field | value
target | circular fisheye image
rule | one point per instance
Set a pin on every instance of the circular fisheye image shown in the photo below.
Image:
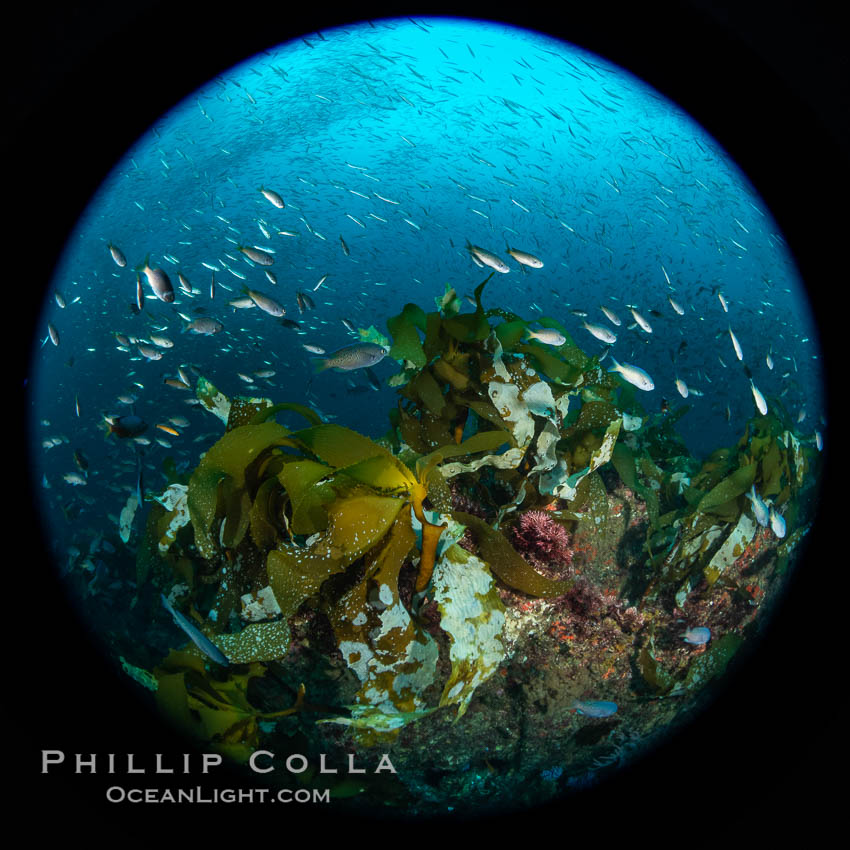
(425, 415)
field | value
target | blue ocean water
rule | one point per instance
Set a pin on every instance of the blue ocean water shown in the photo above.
(404, 140)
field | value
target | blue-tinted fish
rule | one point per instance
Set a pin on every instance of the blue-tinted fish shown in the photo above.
(120, 259)
(759, 507)
(594, 708)
(697, 636)
(198, 638)
(777, 522)
(548, 336)
(634, 375)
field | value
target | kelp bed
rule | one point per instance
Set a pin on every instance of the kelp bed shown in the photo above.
(525, 536)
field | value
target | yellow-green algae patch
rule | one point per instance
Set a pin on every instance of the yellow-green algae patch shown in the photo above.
(217, 484)
(355, 524)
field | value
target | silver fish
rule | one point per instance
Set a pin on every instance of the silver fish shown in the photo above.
(676, 306)
(611, 316)
(197, 637)
(760, 511)
(736, 345)
(602, 334)
(634, 375)
(149, 352)
(641, 321)
(158, 281)
(120, 259)
(485, 258)
(777, 523)
(357, 356)
(261, 258)
(273, 197)
(265, 303)
(524, 258)
(205, 326)
(761, 404)
(548, 336)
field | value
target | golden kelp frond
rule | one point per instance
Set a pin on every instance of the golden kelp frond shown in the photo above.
(299, 478)
(507, 564)
(383, 473)
(217, 484)
(728, 489)
(244, 411)
(307, 412)
(338, 446)
(484, 441)
(355, 524)
(216, 711)
(430, 538)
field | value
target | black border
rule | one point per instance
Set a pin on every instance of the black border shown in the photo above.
(769, 80)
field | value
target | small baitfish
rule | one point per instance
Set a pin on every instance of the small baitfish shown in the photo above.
(777, 523)
(736, 345)
(594, 707)
(697, 636)
(272, 197)
(548, 336)
(198, 638)
(758, 398)
(676, 306)
(759, 507)
(644, 325)
(358, 356)
(611, 316)
(117, 255)
(261, 258)
(634, 375)
(602, 334)
(524, 258)
(158, 281)
(483, 257)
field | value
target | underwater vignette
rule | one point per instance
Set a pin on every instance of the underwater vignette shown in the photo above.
(408, 512)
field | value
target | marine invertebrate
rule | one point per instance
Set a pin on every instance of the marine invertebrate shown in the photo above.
(537, 533)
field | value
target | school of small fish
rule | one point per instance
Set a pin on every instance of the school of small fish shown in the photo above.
(265, 272)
